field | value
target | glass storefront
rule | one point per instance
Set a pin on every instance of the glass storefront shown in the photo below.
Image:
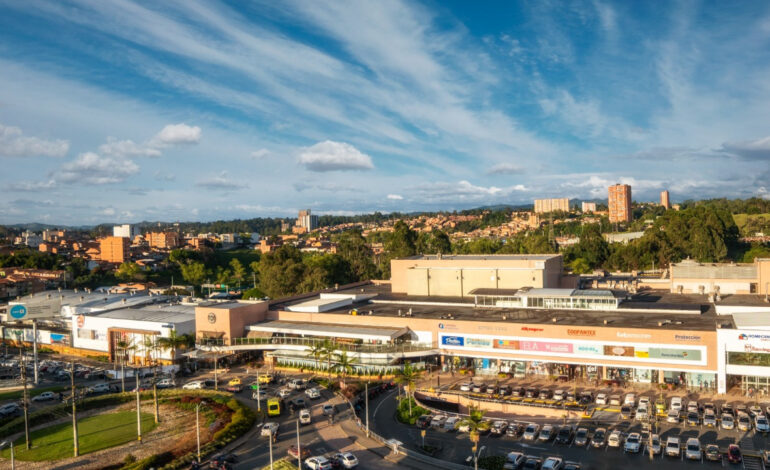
(752, 385)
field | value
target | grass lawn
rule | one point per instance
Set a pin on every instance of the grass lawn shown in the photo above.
(741, 220)
(94, 433)
(16, 394)
(282, 464)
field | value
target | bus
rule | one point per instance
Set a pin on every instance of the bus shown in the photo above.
(273, 407)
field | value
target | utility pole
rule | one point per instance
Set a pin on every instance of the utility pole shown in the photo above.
(366, 408)
(198, 429)
(216, 382)
(299, 448)
(259, 393)
(34, 347)
(270, 439)
(24, 400)
(74, 410)
(138, 411)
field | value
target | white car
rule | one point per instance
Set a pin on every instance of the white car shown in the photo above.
(513, 461)
(709, 419)
(347, 460)
(601, 399)
(633, 443)
(298, 384)
(466, 387)
(530, 432)
(546, 434)
(630, 399)
(761, 424)
(318, 463)
(463, 427)
(99, 388)
(553, 463)
(692, 405)
(284, 392)
(641, 413)
(269, 429)
(165, 383)
(313, 393)
(655, 446)
(615, 439)
(197, 385)
(451, 423)
(44, 396)
(692, 449)
(304, 416)
(675, 404)
(744, 422)
(728, 422)
(558, 395)
(672, 416)
(644, 401)
(672, 446)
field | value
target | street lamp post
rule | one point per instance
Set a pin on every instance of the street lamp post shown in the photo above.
(299, 448)
(270, 439)
(366, 408)
(25, 398)
(138, 410)
(198, 428)
(13, 457)
(75, 447)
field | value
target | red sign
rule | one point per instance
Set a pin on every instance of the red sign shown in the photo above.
(81, 321)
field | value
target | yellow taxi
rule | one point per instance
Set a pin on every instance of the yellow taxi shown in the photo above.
(265, 378)
(234, 381)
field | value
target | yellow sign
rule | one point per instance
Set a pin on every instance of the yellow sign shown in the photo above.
(422, 433)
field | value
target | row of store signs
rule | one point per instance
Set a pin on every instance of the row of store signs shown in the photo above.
(579, 349)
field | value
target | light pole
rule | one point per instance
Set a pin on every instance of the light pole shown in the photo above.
(138, 411)
(24, 401)
(299, 448)
(13, 458)
(366, 408)
(270, 438)
(259, 393)
(75, 448)
(198, 427)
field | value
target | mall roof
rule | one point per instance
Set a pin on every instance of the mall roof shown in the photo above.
(751, 320)
(483, 257)
(642, 314)
(162, 313)
(330, 329)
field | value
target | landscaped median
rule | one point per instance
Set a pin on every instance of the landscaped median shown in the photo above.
(517, 407)
(109, 421)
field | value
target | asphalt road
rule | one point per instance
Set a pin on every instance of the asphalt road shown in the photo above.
(456, 447)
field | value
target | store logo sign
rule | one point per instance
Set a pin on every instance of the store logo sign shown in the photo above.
(686, 338)
(743, 337)
(623, 334)
(580, 332)
(18, 311)
(453, 340)
(534, 330)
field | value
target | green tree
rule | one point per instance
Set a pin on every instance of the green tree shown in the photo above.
(439, 243)
(281, 272)
(317, 351)
(128, 271)
(253, 293)
(401, 243)
(172, 343)
(343, 365)
(475, 422)
(238, 271)
(194, 272)
(354, 249)
(580, 266)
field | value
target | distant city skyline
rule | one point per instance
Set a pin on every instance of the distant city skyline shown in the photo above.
(120, 112)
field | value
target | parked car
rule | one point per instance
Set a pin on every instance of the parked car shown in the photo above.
(581, 437)
(195, 385)
(728, 422)
(532, 462)
(544, 394)
(641, 413)
(451, 423)
(744, 422)
(346, 459)
(45, 396)
(546, 433)
(513, 461)
(564, 436)
(423, 422)
(672, 416)
(165, 383)
(553, 463)
(755, 410)
(675, 403)
(318, 463)
(438, 421)
(530, 392)
(633, 443)
(761, 423)
(600, 435)
(692, 449)
(654, 447)
(673, 447)
(660, 406)
(9, 410)
(626, 412)
(499, 427)
(466, 387)
(630, 399)
(304, 417)
(615, 439)
(313, 393)
(514, 430)
(734, 454)
(692, 406)
(570, 397)
(644, 401)
(601, 399)
(569, 465)
(693, 418)
(531, 432)
(477, 388)
(615, 400)
(328, 410)
(585, 398)
(491, 389)
(558, 395)
(709, 419)
(223, 460)
(518, 392)
(712, 453)
(727, 408)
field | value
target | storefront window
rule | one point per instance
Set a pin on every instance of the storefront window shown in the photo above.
(748, 359)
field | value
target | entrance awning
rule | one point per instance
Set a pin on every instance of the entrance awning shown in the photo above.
(331, 330)
(259, 334)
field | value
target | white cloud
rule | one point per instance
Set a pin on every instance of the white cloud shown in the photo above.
(92, 168)
(750, 150)
(505, 169)
(177, 134)
(332, 156)
(395, 197)
(127, 148)
(31, 185)
(465, 191)
(13, 143)
(220, 182)
(260, 154)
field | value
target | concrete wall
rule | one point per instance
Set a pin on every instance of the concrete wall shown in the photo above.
(231, 320)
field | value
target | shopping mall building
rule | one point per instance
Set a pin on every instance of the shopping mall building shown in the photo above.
(512, 314)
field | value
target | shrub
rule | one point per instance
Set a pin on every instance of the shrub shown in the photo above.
(402, 412)
(492, 462)
(129, 459)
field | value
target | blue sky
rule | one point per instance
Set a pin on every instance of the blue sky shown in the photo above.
(198, 110)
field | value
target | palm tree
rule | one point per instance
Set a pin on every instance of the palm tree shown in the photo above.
(172, 342)
(124, 346)
(328, 354)
(408, 376)
(316, 352)
(475, 422)
(344, 365)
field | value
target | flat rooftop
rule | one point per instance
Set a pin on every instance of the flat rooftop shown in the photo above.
(328, 329)
(162, 313)
(643, 315)
(483, 257)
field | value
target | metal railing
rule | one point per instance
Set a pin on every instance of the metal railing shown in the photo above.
(310, 342)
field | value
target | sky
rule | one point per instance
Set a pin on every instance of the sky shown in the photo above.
(119, 111)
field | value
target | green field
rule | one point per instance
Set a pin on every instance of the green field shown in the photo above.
(282, 464)
(94, 433)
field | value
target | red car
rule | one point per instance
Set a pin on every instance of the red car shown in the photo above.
(292, 451)
(734, 454)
